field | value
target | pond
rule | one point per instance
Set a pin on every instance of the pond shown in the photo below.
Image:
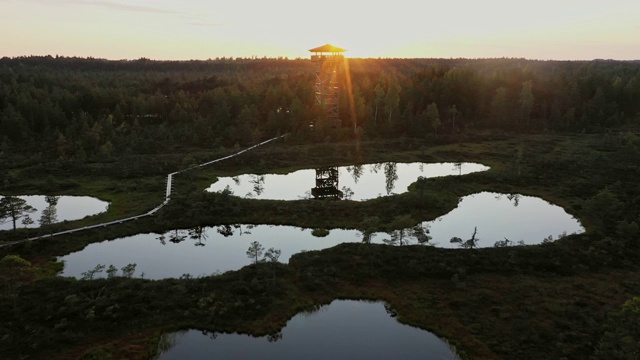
(345, 329)
(498, 216)
(209, 250)
(198, 251)
(362, 181)
(58, 209)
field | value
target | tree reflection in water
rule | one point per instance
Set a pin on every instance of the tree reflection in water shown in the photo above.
(355, 171)
(50, 214)
(258, 184)
(458, 166)
(390, 176)
(406, 232)
(199, 234)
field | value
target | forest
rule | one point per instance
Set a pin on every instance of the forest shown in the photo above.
(73, 110)
(567, 131)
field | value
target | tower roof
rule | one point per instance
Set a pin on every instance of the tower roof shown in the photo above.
(327, 48)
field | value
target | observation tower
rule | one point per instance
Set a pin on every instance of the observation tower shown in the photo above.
(328, 59)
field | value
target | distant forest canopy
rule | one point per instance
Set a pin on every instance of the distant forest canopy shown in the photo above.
(72, 109)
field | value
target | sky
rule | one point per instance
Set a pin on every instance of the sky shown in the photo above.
(203, 29)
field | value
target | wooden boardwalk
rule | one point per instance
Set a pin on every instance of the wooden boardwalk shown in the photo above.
(167, 198)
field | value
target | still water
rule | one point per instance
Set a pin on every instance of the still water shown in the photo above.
(65, 208)
(365, 181)
(198, 251)
(209, 250)
(344, 329)
(499, 216)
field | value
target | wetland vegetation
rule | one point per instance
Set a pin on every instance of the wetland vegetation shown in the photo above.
(113, 130)
(503, 220)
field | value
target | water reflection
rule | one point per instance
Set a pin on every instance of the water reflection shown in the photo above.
(489, 218)
(49, 214)
(390, 176)
(357, 182)
(327, 184)
(258, 184)
(53, 209)
(480, 220)
(198, 234)
(515, 198)
(470, 243)
(355, 171)
(345, 329)
(176, 252)
(406, 232)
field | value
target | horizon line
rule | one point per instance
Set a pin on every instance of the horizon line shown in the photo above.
(264, 57)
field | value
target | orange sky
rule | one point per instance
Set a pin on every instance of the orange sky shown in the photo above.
(201, 29)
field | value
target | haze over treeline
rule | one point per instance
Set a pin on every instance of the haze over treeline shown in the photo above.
(73, 110)
(195, 29)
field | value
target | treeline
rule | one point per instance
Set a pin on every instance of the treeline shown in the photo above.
(72, 110)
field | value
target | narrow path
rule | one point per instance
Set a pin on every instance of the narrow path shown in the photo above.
(167, 198)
